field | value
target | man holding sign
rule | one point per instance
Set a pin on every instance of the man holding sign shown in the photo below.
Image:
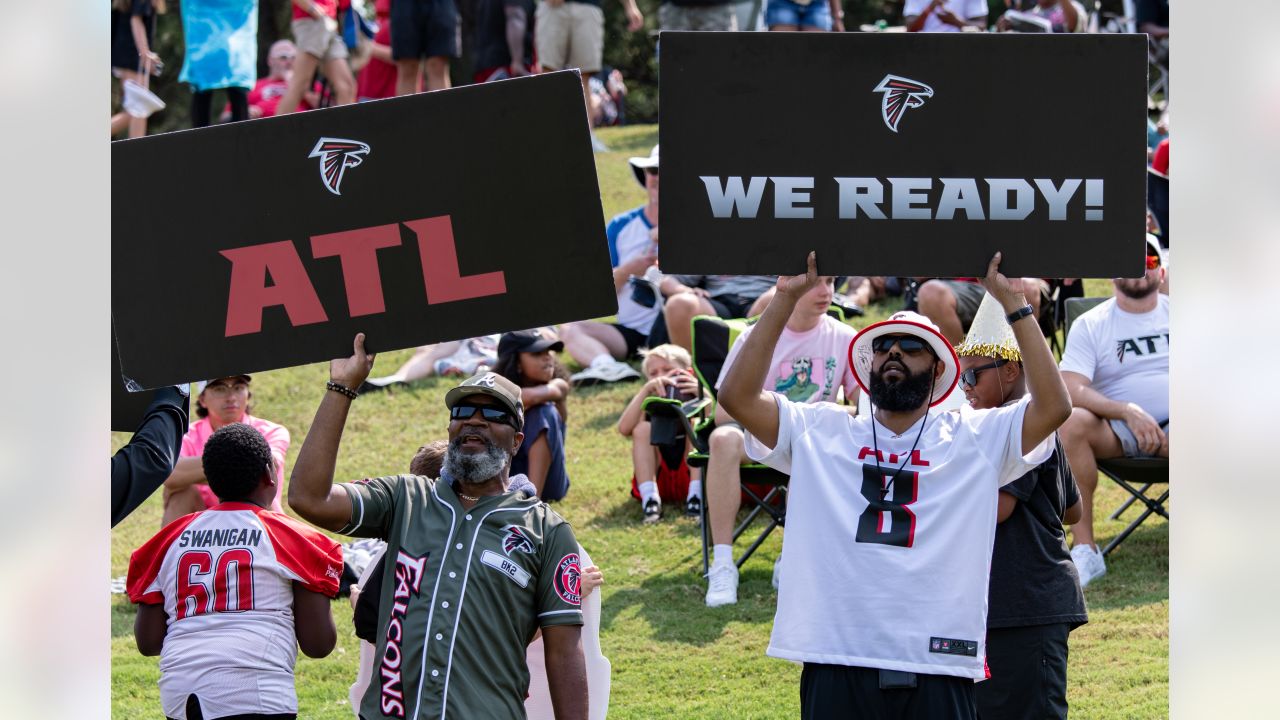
(884, 599)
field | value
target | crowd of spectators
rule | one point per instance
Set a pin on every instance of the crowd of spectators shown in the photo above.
(1114, 363)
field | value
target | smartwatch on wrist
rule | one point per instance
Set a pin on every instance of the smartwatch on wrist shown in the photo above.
(1016, 315)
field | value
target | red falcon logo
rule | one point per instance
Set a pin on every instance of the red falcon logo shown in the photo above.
(568, 580)
(515, 539)
(336, 155)
(899, 94)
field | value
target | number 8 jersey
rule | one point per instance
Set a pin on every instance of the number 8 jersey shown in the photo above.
(225, 577)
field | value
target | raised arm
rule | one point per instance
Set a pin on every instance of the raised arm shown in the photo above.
(566, 671)
(741, 391)
(1050, 404)
(311, 490)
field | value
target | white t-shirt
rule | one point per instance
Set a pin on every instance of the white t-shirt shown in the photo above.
(628, 236)
(225, 578)
(1124, 355)
(806, 367)
(963, 9)
(901, 585)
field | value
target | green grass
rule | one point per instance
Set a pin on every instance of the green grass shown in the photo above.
(672, 656)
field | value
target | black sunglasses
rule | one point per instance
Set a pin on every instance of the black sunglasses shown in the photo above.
(909, 344)
(490, 414)
(651, 170)
(969, 377)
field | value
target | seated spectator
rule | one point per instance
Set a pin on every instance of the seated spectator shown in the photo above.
(1063, 16)
(726, 296)
(502, 39)
(461, 358)
(227, 645)
(1116, 367)
(266, 93)
(809, 365)
(668, 370)
(221, 401)
(377, 78)
(602, 347)
(610, 98)
(951, 304)
(944, 15)
(528, 359)
(1035, 599)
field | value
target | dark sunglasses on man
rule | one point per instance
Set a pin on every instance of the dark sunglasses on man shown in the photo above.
(969, 377)
(489, 413)
(908, 344)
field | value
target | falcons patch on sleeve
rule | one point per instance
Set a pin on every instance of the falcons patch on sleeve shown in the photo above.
(900, 94)
(336, 155)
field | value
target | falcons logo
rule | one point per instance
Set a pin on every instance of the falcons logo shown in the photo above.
(515, 539)
(336, 155)
(1120, 346)
(900, 94)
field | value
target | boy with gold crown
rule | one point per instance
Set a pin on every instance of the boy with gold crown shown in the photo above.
(1035, 597)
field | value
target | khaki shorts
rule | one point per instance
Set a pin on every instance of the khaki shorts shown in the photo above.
(570, 35)
(312, 38)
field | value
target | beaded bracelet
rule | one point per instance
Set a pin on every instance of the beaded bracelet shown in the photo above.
(331, 385)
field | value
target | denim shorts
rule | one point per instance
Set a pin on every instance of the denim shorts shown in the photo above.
(786, 12)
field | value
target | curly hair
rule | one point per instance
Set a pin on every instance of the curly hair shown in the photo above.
(429, 460)
(235, 457)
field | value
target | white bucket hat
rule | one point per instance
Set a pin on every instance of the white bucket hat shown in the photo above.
(915, 325)
(640, 164)
(139, 101)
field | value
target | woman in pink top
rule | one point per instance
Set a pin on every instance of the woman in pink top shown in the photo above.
(221, 401)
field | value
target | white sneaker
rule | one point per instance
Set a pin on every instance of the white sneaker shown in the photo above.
(608, 372)
(1089, 563)
(777, 572)
(722, 585)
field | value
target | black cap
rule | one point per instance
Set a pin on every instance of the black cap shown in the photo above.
(531, 341)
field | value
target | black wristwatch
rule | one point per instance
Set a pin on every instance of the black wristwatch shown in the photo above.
(1016, 315)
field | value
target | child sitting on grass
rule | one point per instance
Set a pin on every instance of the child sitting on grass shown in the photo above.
(668, 372)
(528, 359)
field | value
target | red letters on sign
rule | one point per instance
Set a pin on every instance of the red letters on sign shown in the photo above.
(440, 265)
(357, 250)
(250, 294)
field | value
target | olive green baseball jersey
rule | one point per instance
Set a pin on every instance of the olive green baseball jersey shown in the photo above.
(464, 593)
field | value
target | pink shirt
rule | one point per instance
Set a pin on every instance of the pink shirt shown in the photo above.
(807, 367)
(277, 437)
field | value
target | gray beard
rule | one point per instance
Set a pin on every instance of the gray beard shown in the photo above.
(474, 469)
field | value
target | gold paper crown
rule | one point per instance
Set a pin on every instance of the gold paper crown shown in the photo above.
(990, 335)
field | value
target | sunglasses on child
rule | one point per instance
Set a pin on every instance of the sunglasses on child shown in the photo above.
(969, 377)
(908, 344)
(489, 413)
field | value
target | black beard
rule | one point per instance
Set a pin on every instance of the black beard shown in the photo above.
(474, 469)
(907, 394)
(1140, 292)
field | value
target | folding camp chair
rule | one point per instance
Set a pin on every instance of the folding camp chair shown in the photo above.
(1127, 472)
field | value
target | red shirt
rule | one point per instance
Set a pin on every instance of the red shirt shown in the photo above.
(378, 78)
(1160, 161)
(266, 95)
(328, 8)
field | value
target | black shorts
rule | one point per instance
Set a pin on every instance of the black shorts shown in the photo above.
(731, 306)
(194, 712)
(635, 340)
(842, 691)
(1028, 673)
(425, 28)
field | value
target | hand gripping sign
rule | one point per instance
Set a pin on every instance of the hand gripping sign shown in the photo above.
(415, 220)
(903, 154)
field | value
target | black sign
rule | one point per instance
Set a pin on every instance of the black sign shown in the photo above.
(903, 154)
(417, 219)
(128, 408)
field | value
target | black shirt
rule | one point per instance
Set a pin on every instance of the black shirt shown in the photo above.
(1033, 579)
(490, 38)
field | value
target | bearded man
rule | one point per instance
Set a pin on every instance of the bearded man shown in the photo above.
(478, 568)
(891, 516)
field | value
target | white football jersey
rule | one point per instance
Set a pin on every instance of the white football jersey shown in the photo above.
(225, 577)
(888, 572)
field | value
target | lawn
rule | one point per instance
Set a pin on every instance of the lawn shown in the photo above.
(672, 656)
